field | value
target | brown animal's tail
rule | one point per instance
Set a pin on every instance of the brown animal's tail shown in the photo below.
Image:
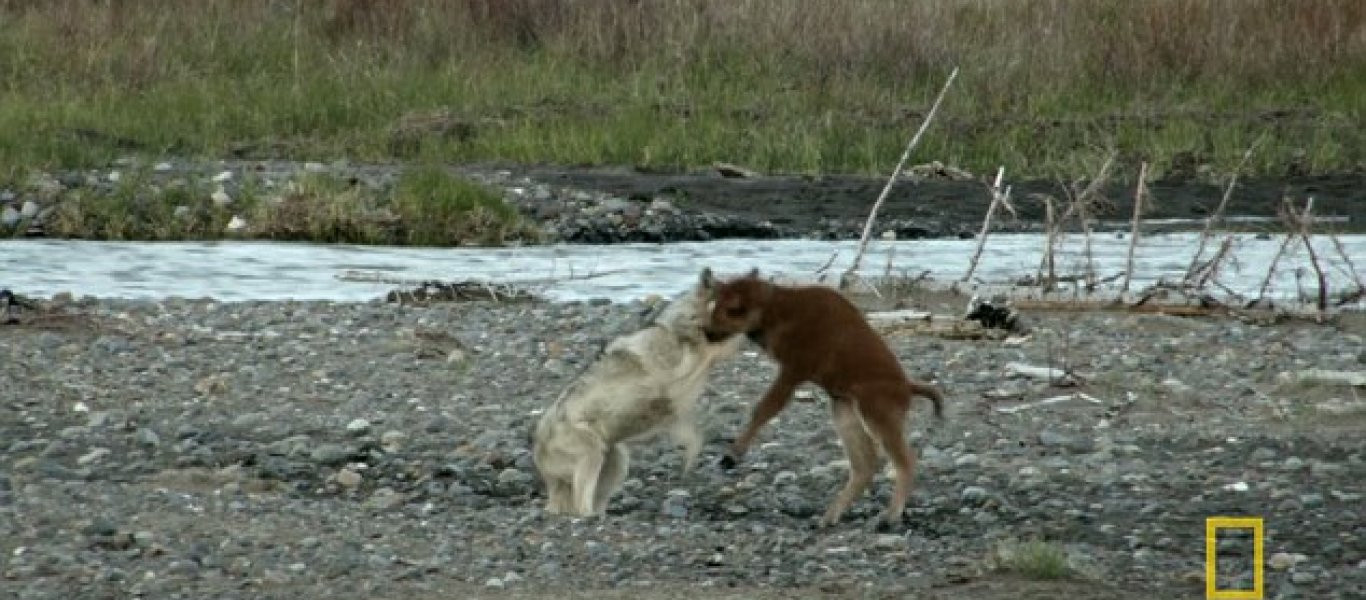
(926, 390)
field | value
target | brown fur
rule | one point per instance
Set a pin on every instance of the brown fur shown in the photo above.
(817, 335)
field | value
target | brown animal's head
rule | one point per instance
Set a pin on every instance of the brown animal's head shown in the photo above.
(738, 306)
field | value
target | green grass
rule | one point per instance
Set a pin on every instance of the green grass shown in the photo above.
(818, 86)
(428, 207)
(1035, 560)
(438, 209)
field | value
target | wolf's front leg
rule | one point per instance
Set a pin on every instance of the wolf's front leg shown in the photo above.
(685, 433)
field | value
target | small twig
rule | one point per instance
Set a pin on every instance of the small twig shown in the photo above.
(1139, 192)
(915, 140)
(825, 267)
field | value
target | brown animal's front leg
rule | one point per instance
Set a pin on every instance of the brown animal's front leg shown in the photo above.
(768, 407)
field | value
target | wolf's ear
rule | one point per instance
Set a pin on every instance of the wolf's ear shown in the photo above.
(707, 280)
(753, 273)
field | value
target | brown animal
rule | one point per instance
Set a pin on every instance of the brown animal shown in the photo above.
(818, 335)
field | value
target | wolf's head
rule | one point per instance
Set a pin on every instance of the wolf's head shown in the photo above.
(737, 306)
(686, 315)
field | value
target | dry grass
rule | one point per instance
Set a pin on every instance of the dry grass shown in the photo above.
(819, 85)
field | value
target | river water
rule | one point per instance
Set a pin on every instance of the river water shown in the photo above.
(235, 270)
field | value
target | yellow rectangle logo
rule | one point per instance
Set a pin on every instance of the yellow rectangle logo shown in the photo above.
(1212, 527)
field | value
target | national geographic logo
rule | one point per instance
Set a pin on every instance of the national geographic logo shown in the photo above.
(1212, 527)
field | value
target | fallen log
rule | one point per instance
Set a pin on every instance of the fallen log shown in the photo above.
(910, 322)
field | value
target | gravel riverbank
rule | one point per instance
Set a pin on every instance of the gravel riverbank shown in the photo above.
(195, 449)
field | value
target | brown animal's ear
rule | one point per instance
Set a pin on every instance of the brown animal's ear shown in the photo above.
(753, 273)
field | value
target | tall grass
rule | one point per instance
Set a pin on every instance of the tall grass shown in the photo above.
(815, 85)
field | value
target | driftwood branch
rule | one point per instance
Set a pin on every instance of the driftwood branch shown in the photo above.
(1218, 213)
(1047, 276)
(882, 197)
(1305, 224)
(998, 196)
(1210, 269)
(1083, 203)
(1351, 270)
(1286, 212)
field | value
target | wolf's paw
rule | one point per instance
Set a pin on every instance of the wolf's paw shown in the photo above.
(728, 462)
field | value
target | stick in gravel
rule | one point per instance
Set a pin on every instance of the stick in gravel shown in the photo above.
(1219, 211)
(997, 197)
(882, 197)
(1133, 234)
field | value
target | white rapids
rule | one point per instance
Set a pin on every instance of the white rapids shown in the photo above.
(239, 271)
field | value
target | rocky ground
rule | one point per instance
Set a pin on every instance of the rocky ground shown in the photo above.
(611, 205)
(193, 449)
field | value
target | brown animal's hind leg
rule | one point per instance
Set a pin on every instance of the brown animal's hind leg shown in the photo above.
(861, 451)
(773, 402)
(886, 420)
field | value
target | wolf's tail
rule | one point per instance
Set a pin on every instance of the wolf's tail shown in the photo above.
(926, 390)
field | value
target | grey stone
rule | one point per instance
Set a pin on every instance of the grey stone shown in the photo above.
(966, 460)
(514, 476)
(146, 437)
(331, 454)
(973, 494)
(113, 344)
(9, 217)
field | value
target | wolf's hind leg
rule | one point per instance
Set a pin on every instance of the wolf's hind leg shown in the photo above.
(614, 469)
(559, 496)
(588, 470)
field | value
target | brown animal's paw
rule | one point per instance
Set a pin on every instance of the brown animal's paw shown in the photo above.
(885, 523)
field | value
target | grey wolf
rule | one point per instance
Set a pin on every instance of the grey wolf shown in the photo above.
(817, 335)
(643, 384)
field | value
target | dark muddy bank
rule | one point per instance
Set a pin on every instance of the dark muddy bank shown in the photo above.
(835, 206)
